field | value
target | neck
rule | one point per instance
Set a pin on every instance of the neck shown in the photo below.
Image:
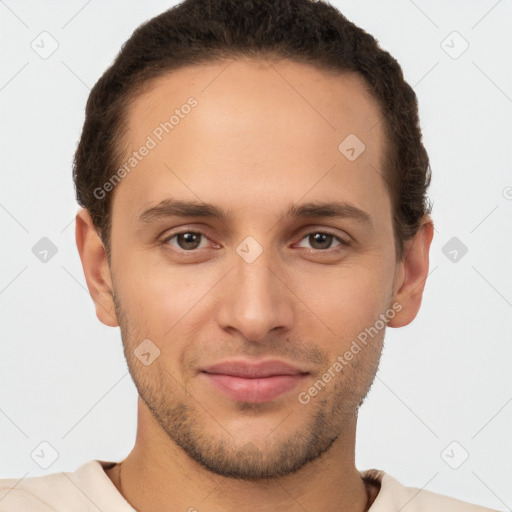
(157, 479)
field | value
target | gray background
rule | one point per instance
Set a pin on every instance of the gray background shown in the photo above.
(443, 389)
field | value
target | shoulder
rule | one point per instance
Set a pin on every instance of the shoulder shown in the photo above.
(394, 496)
(12, 499)
(53, 492)
(34, 494)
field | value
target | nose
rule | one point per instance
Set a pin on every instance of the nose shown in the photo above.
(255, 299)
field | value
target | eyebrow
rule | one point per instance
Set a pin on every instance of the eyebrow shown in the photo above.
(178, 208)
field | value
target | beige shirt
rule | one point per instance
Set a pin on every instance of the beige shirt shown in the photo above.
(90, 489)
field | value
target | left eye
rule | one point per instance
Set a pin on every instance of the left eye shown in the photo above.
(322, 240)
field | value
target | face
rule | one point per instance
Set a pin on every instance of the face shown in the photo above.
(288, 255)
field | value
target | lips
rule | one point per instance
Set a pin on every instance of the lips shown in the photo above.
(254, 382)
(250, 370)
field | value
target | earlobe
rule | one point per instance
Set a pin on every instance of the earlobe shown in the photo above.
(411, 274)
(96, 269)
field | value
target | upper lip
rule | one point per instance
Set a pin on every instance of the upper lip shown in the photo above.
(251, 370)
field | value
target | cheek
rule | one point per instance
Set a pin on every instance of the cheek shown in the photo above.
(161, 300)
(350, 299)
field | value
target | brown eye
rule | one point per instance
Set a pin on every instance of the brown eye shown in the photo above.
(186, 240)
(320, 240)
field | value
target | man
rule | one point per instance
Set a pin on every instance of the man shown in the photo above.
(254, 215)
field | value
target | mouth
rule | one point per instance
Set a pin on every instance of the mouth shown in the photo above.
(254, 383)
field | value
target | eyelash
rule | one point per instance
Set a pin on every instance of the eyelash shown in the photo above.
(342, 243)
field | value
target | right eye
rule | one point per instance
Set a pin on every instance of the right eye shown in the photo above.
(186, 240)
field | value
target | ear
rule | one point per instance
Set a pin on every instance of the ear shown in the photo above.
(96, 269)
(411, 274)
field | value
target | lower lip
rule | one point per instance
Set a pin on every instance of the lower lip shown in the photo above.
(254, 390)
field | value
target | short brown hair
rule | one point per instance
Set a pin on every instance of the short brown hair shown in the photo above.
(305, 31)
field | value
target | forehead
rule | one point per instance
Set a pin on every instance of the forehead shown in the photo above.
(339, 101)
(246, 126)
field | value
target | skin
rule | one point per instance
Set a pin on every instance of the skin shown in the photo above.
(263, 136)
